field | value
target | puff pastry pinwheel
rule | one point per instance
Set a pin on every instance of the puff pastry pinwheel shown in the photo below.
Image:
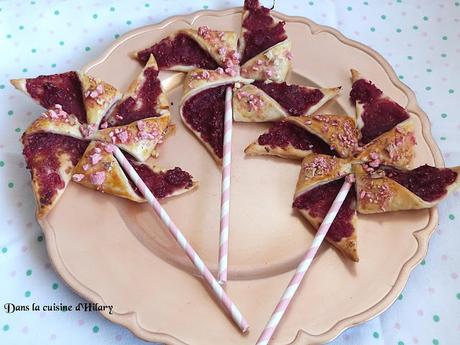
(381, 165)
(81, 109)
(330, 148)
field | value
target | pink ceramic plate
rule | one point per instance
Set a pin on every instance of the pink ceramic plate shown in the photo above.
(116, 252)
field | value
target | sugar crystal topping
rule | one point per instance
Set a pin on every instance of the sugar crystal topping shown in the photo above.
(254, 102)
(230, 58)
(87, 130)
(57, 113)
(95, 93)
(378, 194)
(319, 166)
(345, 136)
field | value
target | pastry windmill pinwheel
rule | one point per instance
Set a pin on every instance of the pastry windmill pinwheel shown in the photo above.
(85, 116)
(377, 148)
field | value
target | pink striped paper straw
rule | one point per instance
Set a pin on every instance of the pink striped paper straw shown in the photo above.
(225, 193)
(219, 292)
(302, 268)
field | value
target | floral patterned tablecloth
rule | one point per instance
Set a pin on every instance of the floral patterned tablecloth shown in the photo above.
(421, 39)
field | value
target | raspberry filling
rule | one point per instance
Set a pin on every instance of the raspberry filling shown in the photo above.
(380, 114)
(379, 117)
(427, 182)
(204, 112)
(180, 50)
(296, 100)
(42, 152)
(262, 31)
(284, 133)
(142, 105)
(364, 91)
(162, 184)
(63, 89)
(318, 201)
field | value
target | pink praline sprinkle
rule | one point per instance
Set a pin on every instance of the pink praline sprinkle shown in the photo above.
(78, 177)
(98, 178)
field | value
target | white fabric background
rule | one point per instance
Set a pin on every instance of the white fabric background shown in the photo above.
(421, 39)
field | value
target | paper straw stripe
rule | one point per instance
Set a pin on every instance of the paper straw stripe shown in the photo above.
(303, 266)
(224, 253)
(226, 208)
(219, 292)
(225, 192)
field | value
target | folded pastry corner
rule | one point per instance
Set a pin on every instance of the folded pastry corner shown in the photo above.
(386, 188)
(338, 131)
(76, 93)
(270, 101)
(272, 64)
(394, 148)
(98, 169)
(55, 120)
(98, 97)
(287, 140)
(138, 138)
(21, 85)
(51, 159)
(320, 179)
(144, 98)
(263, 44)
(251, 104)
(165, 183)
(200, 79)
(220, 45)
(187, 49)
(375, 112)
(62, 89)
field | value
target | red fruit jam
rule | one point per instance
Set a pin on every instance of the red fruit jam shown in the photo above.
(181, 50)
(42, 152)
(63, 89)
(262, 33)
(379, 117)
(204, 112)
(142, 105)
(318, 201)
(284, 133)
(164, 183)
(380, 114)
(364, 91)
(428, 182)
(295, 99)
